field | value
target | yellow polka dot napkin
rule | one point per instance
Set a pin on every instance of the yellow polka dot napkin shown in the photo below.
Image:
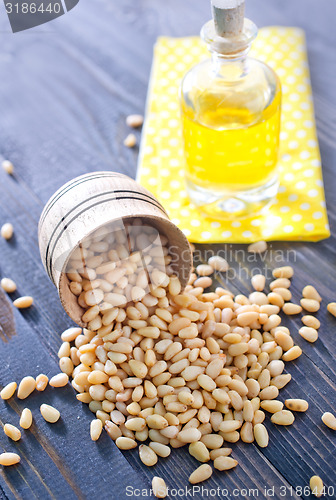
(299, 212)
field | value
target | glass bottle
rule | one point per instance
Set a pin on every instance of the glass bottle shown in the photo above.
(231, 107)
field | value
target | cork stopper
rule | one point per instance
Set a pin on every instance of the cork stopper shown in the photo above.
(228, 17)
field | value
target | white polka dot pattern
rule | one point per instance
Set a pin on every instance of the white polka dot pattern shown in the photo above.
(299, 211)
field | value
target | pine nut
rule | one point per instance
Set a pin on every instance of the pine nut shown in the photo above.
(283, 417)
(96, 428)
(290, 309)
(159, 487)
(7, 459)
(225, 463)
(204, 270)
(12, 432)
(316, 486)
(246, 432)
(8, 167)
(212, 441)
(283, 272)
(26, 387)
(270, 392)
(218, 263)
(136, 424)
(156, 422)
(281, 380)
(206, 382)
(71, 334)
(276, 367)
(189, 435)
(332, 308)
(261, 435)
(309, 292)
(329, 420)
(310, 305)
(296, 404)
(199, 451)
(125, 443)
(272, 406)
(258, 247)
(49, 413)
(284, 292)
(113, 431)
(134, 121)
(203, 282)
(259, 417)
(293, 353)
(147, 455)
(130, 141)
(247, 318)
(311, 321)
(258, 282)
(220, 452)
(26, 418)
(64, 350)
(280, 283)
(309, 334)
(66, 366)
(41, 382)
(23, 302)
(230, 425)
(59, 380)
(8, 285)
(8, 391)
(160, 449)
(283, 340)
(275, 299)
(202, 473)
(7, 231)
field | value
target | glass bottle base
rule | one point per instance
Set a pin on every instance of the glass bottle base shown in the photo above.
(233, 205)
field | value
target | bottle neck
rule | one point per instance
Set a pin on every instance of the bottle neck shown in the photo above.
(229, 54)
(230, 66)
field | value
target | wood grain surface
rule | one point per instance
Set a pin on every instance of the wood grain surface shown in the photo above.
(65, 90)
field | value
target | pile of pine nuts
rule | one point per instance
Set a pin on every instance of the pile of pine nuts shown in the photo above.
(179, 368)
(170, 368)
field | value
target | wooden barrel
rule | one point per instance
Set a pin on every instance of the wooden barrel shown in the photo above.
(88, 203)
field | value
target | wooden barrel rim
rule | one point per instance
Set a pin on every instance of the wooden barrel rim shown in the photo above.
(70, 185)
(48, 259)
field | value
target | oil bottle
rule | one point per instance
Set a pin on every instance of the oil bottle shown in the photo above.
(231, 107)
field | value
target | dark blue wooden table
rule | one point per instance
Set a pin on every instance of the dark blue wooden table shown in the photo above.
(65, 90)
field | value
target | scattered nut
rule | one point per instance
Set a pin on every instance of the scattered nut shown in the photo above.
(26, 418)
(329, 420)
(7, 231)
(12, 432)
(23, 302)
(258, 247)
(8, 285)
(49, 413)
(8, 391)
(316, 486)
(332, 308)
(130, 141)
(134, 121)
(8, 167)
(7, 459)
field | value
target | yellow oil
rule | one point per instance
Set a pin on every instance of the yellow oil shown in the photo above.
(230, 147)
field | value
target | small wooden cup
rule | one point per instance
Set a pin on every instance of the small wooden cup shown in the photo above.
(88, 203)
